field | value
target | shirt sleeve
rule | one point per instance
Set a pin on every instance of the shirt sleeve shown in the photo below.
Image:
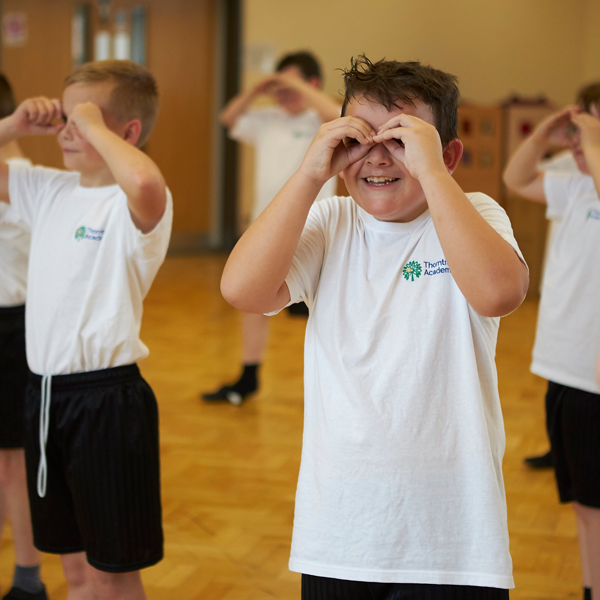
(26, 186)
(303, 277)
(558, 188)
(497, 218)
(247, 127)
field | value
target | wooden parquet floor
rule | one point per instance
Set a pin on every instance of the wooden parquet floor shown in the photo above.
(229, 474)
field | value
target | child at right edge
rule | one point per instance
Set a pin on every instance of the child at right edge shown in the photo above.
(400, 492)
(567, 343)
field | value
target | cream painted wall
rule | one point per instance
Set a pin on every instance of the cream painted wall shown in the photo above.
(592, 41)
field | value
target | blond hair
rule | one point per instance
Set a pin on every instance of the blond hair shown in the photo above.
(135, 93)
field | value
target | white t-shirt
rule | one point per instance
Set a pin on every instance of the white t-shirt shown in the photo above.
(281, 141)
(89, 271)
(567, 342)
(401, 473)
(14, 253)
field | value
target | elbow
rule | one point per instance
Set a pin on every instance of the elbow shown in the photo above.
(503, 300)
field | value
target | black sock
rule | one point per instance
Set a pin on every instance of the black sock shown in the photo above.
(587, 593)
(28, 579)
(248, 381)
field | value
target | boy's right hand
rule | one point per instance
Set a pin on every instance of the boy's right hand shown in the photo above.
(337, 145)
(38, 116)
(554, 131)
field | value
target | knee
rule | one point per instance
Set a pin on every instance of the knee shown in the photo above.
(75, 570)
(114, 585)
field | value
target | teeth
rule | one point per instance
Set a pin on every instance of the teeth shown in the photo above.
(379, 179)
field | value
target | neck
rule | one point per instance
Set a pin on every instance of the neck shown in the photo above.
(11, 150)
(98, 179)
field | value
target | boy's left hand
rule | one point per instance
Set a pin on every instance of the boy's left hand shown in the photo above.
(85, 117)
(420, 150)
(589, 126)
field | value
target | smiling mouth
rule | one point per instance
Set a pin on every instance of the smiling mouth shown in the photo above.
(380, 181)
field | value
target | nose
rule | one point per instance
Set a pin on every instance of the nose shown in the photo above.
(379, 156)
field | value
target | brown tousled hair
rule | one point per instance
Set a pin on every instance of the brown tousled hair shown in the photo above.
(589, 96)
(134, 96)
(388, 82)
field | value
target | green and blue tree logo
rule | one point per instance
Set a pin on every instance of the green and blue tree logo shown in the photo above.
(80, 234)
(411, 270)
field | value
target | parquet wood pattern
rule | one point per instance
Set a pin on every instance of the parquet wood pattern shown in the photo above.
(229, 474)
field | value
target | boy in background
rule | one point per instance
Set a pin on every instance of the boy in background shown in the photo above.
(567, 341)
(14, 254)
(98, 236)
(400, 492)
(281, 135)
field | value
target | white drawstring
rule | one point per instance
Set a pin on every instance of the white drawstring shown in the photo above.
(42, 477)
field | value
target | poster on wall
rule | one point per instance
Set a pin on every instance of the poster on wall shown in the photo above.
(14, 29)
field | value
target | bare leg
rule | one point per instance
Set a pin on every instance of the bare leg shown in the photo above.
(2, 510)
(75, 568)
(14, 484)
(255, 334)
(588, 527)
(117, 586)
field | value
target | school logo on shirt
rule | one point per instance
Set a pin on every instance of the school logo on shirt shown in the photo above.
(87, 233)
(593, 213)
(411, 270)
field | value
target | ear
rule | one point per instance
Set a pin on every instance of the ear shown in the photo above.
(132, 131)
(452, 154)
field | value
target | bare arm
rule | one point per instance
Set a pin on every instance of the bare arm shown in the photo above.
(485, 267)
(35, 116)
(254, 276)
(133, 170)
(240, 104)
(589, 135)
(521, 174)
(327, 108)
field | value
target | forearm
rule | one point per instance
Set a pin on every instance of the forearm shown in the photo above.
(522, 168)
(135, 172)
(485, 267)
(592, 158)
(327, 108)
(254, 276)
(236, 107)
(8, 134)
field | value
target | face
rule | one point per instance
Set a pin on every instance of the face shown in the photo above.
(290, 100)
(380, 183)
(78, 154)
(575, 138)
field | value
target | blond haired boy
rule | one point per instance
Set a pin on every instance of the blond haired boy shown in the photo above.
(99, 235)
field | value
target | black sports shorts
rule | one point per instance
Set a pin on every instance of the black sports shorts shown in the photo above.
(13, 377)
(103, 475)
(574, 430)
(326, 588)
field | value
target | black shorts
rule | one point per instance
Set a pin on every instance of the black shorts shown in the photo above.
(325, 588)
(103, 476)
(13, 377)
(574, 430)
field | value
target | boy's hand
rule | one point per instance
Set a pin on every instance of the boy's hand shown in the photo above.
(337, 144)
(413, 142)
(85, 117)
(589, 126)
(554, 131)
(267, 86)
(38, 116)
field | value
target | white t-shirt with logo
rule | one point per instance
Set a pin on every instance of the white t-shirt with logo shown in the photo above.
(14, 254)
(89, 271)
(281, 141)
(567, 343)
(401, 473)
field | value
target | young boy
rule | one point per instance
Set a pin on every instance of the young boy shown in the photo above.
(14, 253)
(281, 135)
(400, 492)
(567, 340)
(98, 237)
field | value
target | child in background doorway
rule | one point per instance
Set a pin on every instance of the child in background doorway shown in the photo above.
(281, 135)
